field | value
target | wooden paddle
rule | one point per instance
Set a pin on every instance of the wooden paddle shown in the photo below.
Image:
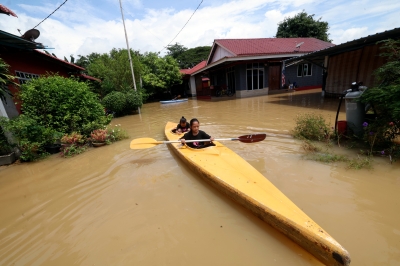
(177, 97)
(145, 143)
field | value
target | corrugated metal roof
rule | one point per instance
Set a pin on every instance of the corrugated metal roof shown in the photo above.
(263, 46)
(12, 40)
(351, 45)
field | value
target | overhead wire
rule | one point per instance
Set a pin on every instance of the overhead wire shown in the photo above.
(51, 13)
(182, 27)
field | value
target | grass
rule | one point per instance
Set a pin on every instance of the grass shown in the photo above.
(317, 142)
(360, 163)
(323, 154)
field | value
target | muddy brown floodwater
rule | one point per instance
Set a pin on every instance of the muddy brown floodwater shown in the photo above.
(116, 206)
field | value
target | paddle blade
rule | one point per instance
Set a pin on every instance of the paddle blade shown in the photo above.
(252, 138)
(143, 143)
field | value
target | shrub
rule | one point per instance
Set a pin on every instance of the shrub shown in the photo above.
(133, 100)
(29, 136)
(63, 104)
(381, 132)
(311, 127)
(115, 101)
(72, 150)
(116, 133)
(5, 147)
(122, 103)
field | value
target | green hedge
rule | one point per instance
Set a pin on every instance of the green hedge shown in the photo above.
(63, 104)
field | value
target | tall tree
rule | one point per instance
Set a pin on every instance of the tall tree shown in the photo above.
(114, 70)
(159, 73)
(85, 60)
(188, 58)
(176, 50)
(303, 25)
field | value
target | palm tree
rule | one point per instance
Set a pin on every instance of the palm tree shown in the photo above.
(5, 79)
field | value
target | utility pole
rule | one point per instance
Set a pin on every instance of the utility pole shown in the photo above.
(129, 51)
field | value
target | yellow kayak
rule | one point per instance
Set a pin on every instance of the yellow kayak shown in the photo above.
(236, 178)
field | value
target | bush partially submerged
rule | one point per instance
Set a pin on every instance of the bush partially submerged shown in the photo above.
(122, 103)
(311, 127)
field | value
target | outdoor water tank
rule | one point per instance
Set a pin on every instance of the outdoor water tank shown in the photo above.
(355, 112)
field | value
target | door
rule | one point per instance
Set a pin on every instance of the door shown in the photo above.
(274, 73)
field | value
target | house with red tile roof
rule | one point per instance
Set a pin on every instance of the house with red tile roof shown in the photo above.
(252, 67)
(27, 62)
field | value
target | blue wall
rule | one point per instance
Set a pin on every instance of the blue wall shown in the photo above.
(314, 80)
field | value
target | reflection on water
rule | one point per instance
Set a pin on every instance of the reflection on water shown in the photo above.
(116, 206)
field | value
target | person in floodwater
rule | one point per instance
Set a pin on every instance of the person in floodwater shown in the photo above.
(194, 134)
(183, 126)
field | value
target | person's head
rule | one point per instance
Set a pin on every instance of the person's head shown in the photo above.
(194, 125)
(182, 121)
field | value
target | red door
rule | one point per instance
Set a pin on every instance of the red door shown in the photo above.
(274, 77)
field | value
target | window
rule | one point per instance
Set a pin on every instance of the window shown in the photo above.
(304, 70)
(24, 77)
(255, 76)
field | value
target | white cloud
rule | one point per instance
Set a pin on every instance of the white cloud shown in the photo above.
(82, 28)
(342, 36)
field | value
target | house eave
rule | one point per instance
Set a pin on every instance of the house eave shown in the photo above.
(244, 58)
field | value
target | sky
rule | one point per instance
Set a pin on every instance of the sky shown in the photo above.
(81, 27)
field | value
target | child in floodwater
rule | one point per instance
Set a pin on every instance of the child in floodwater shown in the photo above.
(183, 126)
(194, 134)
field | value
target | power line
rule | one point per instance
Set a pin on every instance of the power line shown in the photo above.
(182, 27)
(51, 13)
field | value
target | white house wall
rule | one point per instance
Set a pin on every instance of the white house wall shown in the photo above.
(192, 85)
(220, 53)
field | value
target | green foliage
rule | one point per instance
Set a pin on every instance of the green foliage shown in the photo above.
(85, 61)
(381, 132)
(114, 70)
(327, 157)
(133, 100)
(159, 74)
(62, 104)
(311, 127)
(303, 25)
(74, 149)
(360, 162)
(176, 50)
(122, 102)
(5, 79)
(24, 128)
(188, 58)
(115, 101)
(29, 136)
(116, 133)
(5, 147)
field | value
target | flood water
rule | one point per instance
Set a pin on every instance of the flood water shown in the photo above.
(116, 206)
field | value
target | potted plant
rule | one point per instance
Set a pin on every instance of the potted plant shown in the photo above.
(72, 139)
(98, 137)
(52, 140)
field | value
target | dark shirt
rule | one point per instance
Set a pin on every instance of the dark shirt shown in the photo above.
(196, 145)
(183, 129)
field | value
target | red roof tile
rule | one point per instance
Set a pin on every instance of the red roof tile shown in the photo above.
(194, 69)
(89, 77)
(263, 46)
